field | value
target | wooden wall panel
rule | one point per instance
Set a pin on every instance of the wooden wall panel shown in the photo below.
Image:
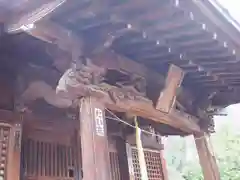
(4, 144)
(49, 160)
(6, 94)
(114, 165)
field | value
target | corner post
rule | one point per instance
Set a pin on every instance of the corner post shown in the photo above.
(94, 143)
(14, 150)
(206, 158)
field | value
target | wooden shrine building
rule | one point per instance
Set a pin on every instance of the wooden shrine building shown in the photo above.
(75, 74)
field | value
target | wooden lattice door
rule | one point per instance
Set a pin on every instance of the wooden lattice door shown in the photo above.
(50, 153)
(153, 162)
(46, 160)
(4, 143)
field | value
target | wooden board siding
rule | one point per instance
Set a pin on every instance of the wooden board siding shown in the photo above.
(4, 143)
(114, 165)
(44, 160)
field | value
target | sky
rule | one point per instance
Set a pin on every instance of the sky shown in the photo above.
(232, 6)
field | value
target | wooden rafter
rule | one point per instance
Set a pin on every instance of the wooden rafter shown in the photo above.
(185, 122)
(32, 16)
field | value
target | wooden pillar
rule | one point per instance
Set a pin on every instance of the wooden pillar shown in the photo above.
(164, 166)
(122, 158)
(206, 158)
(163, 160)
(14, 152)
(94, 143)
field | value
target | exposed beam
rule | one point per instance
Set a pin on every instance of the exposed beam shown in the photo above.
(190, 49)
(145, 109)
(49, 31)
(208, 64)
(166, 25)
(218, 26)
(167, 97)
(102, 6)
(55, 34)
(207, 158)
(27, 20)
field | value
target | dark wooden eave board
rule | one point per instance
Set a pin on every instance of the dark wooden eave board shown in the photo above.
(181, 26)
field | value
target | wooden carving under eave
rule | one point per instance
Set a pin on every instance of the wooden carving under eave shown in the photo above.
(167, 97)
(79, 83)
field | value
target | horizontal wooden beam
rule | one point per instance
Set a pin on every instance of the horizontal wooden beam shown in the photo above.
(27, 20)
(8, 117)
(111, 60)
(134, 105)
(215, 23)
(102, 6)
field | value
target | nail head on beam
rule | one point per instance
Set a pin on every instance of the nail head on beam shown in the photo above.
(170, 50)
(215, 36)
(200, 68)
(191, 15)
(225, 44)
(204, 27)
(129, 26)
(144, 35)
(181, 56)
(208, 74)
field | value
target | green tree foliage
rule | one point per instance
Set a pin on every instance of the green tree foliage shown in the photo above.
(226, 147)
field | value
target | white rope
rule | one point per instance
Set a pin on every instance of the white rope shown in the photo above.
(115, 118)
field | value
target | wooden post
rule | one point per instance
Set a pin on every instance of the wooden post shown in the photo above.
(163, 160)
(164, 166)
(122, 159)
(14, 152)
(207, 159)
(95, 155)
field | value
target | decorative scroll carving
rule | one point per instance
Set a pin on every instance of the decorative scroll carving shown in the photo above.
(89, 81)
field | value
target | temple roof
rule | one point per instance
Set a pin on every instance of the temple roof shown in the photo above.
(143, 37)
(192, 35)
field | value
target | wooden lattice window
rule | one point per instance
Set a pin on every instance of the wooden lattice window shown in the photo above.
(44, 159)
(153, 162)
(114, 163)
(4, 143)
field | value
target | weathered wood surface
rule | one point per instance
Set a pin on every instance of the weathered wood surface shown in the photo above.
(168, 95)
(75, 84)
(14, 151)
(72, 44)
(94, 141)
(8, 117)
(206, 158)
(110, 60)
(23, 21)
(122, 158)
